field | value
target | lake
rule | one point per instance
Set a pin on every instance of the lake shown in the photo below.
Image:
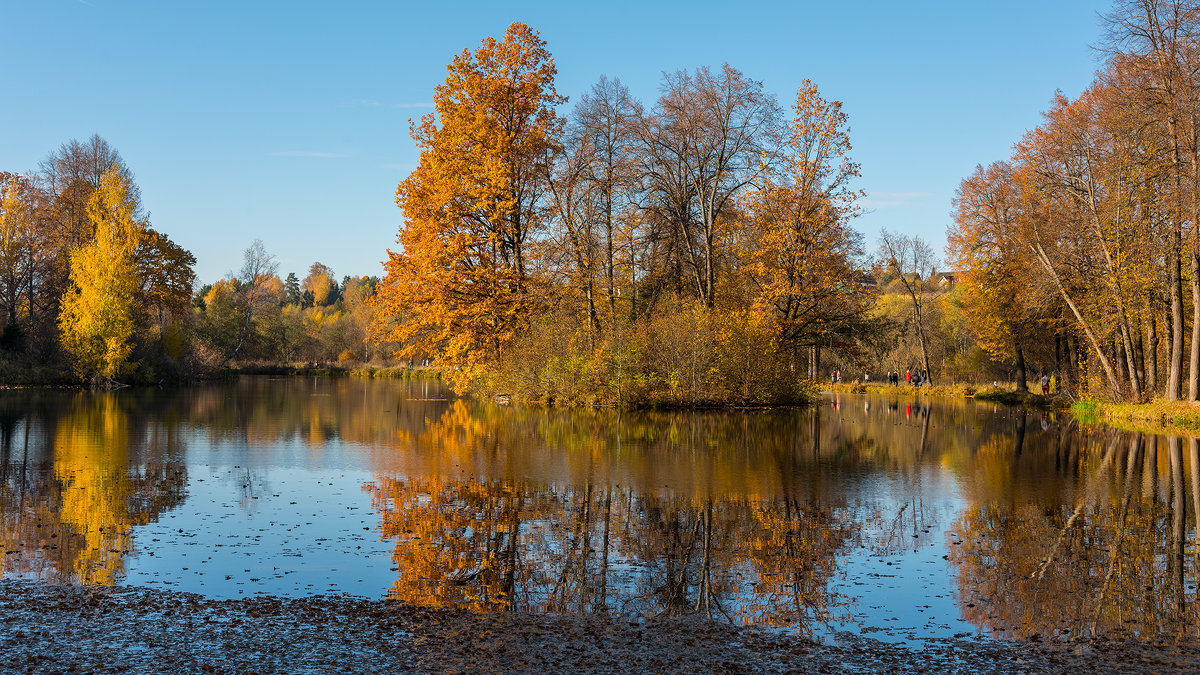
(894, 518)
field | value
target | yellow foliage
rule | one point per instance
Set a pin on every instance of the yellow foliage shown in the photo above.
(96, 322)
(91, 451)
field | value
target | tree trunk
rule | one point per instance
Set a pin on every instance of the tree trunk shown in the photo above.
(610, 259)
(1058, 347)
(593, 318)
(1022, 384)
(1139, 357)
(1151, 353)
(1194, 361)
(1077, 366)
(1118, 357)
(1175, 379)
(1130, 360)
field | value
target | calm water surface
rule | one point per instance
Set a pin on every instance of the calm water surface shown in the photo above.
(892, 518)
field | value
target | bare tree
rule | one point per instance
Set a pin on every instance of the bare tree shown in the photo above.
(915, 262)
(710, 135)
(71, 173)
(608, 115)
(574, 210)
(257, 267)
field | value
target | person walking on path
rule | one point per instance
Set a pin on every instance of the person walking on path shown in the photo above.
(908, 376)
(1045, 384)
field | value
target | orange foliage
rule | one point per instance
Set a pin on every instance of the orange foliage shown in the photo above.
(460, 286)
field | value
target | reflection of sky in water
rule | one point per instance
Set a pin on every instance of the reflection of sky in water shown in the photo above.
(901, 585)
(276, 531)
(869, 516)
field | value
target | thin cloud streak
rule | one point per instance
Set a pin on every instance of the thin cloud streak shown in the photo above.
(308, 153)
(379, 104)
(882, 199)
(900, 195)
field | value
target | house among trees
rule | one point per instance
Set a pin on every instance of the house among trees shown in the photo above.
(949, 277)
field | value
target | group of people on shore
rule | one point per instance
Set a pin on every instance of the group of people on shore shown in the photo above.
(917, 377)
(912, 378)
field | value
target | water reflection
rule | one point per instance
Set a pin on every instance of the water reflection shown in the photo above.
(501, 545)
(74, 481)
(859, 513)
(1110, 556)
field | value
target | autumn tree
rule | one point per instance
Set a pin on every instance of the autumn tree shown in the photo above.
(321, 283)
(165, 276)
(798, 249)
(460, 287)
(97, 313)
(984, 243)
(258, 270)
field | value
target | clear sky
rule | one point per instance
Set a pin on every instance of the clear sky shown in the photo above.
(288, 121)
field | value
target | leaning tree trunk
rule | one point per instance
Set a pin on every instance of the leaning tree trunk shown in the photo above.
(1109, 375)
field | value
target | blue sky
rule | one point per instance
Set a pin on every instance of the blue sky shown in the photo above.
(288, 121)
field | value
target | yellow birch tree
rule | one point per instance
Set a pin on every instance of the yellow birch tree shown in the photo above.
(96, 322)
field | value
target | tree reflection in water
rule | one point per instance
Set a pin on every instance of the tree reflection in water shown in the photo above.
(637, 515)
(746, 517)
(75, 479)
(1109, 558)
(501, 545)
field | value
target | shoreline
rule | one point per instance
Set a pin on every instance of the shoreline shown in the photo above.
(58, 628)
(1157, 417)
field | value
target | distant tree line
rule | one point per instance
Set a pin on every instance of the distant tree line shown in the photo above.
(90, 291)
(255, 316)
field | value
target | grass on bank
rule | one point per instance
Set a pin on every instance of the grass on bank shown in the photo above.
(1154, 417)
(1000, 394)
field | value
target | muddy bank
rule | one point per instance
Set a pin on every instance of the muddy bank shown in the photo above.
(139, 630)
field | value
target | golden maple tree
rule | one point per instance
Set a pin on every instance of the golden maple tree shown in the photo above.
(460, 286)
